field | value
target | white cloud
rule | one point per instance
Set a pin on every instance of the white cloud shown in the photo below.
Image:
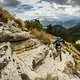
(46, 9)
(2, 1)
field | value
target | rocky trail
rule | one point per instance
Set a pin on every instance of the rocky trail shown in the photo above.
(25, 58)
(49, 65)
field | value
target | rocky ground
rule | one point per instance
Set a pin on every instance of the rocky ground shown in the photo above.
(25, 58)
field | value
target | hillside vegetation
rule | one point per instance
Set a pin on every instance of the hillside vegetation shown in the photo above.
(75, 32)
(71, 35)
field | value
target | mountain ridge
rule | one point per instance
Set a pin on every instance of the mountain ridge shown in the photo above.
(67, 23)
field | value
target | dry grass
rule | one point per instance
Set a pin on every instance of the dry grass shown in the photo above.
(20, 22)
(5, 16)
(41, 35)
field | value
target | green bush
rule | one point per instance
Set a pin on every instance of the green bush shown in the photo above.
(33, 25)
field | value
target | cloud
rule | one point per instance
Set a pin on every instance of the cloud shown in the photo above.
(46, 9)
(14, 3)
(65, 2)
(30, 9)
(25, 7)
(57, 1)
(75, 2)
(10, 3)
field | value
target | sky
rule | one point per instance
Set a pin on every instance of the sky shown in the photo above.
(33, 9)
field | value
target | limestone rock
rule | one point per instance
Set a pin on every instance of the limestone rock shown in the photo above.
(20, 36)
(11, 32)
(25, 45)
(9, 36)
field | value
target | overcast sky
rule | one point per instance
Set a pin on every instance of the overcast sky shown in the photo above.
(29, 9)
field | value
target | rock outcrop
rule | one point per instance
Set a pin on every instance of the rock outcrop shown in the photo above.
(25, 45)
(6, 34)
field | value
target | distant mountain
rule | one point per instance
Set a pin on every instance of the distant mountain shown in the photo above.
(67, 23)
(57, 30)
(48, 20)
(72, 34)
(71, 23)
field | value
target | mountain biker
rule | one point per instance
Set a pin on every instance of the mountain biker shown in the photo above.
(58, 44)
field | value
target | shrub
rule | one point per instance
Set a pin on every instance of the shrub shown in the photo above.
(33, 25)
(45, 40)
